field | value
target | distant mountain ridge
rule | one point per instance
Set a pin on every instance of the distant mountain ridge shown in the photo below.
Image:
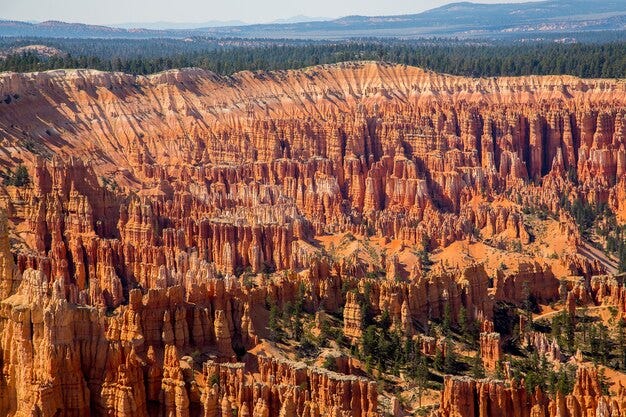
(53, 28)
(463, 19)
(177, 25)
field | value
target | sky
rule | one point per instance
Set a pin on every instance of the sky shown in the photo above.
(191, 11)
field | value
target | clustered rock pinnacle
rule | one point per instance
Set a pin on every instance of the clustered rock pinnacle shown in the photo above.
(152, 198)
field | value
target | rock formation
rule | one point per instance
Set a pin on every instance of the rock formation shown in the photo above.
(490, 351)
(463, 396)
(166, 214)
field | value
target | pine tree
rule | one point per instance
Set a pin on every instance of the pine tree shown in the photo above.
(421, 378)
(621, 341)
(478, 370)
(446, 323)
(450, 361)
(276, 332)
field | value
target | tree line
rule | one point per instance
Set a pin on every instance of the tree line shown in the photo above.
(606, 60)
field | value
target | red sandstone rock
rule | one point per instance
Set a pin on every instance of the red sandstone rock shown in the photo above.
(124, 286)
(487, 398)
(352, 316)
(490, 351)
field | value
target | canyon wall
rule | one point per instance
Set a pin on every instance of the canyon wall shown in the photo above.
(363, 138)
(465, 397)
(164, 215)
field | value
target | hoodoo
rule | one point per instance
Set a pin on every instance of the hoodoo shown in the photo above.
(316, 242)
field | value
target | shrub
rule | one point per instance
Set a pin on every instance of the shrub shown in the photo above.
(18, 178)
(330, 364)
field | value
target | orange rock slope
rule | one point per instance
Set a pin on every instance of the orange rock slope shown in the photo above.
(163, 213)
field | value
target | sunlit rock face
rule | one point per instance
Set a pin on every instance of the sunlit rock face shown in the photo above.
(165, 213)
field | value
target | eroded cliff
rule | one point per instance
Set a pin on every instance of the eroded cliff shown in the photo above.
(168, 219)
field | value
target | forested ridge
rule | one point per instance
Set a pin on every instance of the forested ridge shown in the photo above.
(592, 60)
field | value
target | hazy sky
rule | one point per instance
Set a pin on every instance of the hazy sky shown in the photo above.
(122, 11)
